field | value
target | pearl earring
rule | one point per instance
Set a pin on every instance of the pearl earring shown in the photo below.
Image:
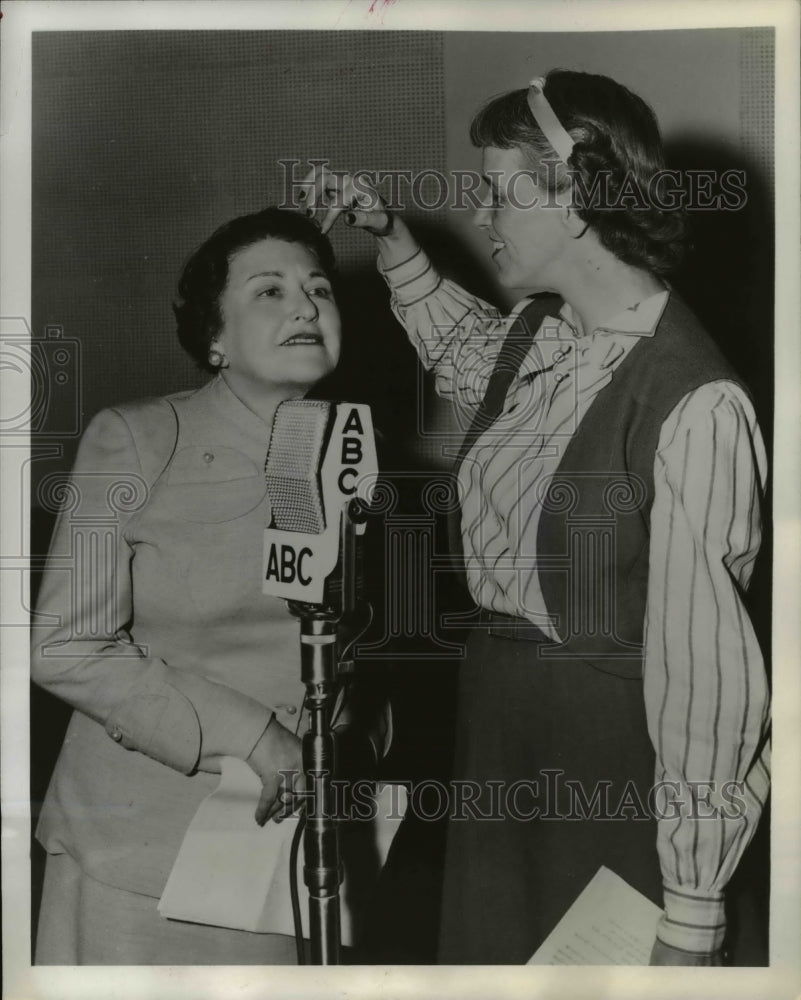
(217, 359)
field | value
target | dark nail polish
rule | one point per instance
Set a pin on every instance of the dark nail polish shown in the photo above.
(350, 218)
(309, 212)
(302, 196)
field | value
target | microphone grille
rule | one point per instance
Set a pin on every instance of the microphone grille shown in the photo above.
(296, 447)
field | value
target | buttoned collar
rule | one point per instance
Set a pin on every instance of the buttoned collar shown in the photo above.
(558, 338)
(640, 320)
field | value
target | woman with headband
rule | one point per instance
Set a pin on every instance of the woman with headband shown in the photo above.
(613, 702)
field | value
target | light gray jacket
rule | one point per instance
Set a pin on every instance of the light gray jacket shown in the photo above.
(152, 624)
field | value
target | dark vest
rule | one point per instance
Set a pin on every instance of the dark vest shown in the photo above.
(594, 530)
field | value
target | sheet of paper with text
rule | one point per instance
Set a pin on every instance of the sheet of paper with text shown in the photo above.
(230, 872)
(609, 924)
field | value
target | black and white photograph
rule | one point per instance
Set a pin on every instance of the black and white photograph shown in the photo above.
(400, 509)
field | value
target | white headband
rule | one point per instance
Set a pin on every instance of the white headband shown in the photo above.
(545, 117)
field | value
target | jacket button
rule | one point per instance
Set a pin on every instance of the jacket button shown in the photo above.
(291, 710)
(116, 734)
(208, 457)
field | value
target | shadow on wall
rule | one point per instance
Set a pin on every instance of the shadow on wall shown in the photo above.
(727, 279)
(728, 275)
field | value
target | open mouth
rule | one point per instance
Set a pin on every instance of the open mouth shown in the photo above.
(307, 339)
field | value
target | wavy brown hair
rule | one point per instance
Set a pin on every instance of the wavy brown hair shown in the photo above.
(618, 150)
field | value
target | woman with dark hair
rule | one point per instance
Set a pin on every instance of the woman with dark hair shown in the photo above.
(613, 702)
(158, 633)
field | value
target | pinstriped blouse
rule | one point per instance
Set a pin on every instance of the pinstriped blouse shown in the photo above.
(705, 688)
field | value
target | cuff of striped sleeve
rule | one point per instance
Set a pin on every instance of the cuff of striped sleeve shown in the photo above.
(411, 281)
(692, 923)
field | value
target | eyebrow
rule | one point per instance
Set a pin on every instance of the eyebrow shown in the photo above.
(280, 274)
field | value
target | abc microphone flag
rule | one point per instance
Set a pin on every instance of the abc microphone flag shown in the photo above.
(321, 456)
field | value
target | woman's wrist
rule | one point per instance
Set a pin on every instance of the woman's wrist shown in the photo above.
(264, 731)
(386, 230)
(398, 245)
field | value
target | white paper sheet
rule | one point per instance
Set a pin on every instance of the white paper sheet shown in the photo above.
(609, 924)
(232, 873)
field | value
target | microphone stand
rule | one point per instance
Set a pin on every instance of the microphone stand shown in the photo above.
(322, 871)
(320, 667)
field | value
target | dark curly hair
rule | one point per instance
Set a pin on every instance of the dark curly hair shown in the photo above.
(205, 274)
(617, 151)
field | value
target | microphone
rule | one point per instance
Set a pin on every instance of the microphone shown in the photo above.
(320, 459)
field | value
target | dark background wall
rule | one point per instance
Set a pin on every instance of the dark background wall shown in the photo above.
(144, 142)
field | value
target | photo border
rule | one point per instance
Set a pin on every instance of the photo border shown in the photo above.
(783, 977)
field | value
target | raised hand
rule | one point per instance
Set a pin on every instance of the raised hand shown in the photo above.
(328, 194)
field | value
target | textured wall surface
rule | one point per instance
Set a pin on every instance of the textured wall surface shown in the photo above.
(144, 142)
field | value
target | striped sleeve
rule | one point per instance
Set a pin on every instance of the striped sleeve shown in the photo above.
(706, 690)
(456, 335)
